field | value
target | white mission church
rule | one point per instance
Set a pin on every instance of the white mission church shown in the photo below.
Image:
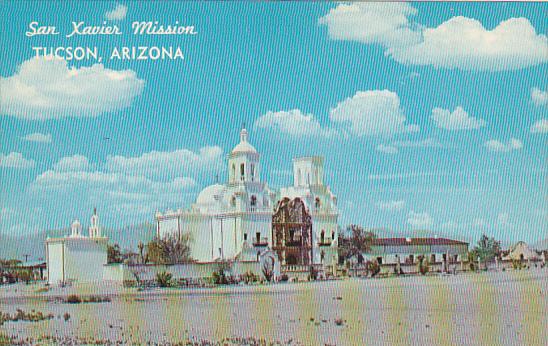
(234, 221)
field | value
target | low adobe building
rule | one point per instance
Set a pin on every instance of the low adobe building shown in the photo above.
(408, 250)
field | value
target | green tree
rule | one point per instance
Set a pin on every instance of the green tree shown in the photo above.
(486, 249)
(114, 254)
(355, 242)
(163, 279)
(169, 250)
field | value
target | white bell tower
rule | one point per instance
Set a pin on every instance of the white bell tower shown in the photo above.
(94, 229)
(243, 162)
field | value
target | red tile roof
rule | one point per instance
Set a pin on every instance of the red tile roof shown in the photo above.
(416, 241)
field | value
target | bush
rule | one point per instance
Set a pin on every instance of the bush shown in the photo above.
(373, 267)
(163, 279)
(66, 316)
(284, 278)
(424, 266)
(249, 277)
(73, 299)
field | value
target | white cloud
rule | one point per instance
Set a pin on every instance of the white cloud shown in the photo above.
(464, 43)
(385, 24)
(15, 160)
(541, 126)
(166, 164)
(294, 123)
(391, 205)
(72, 164)
(37, 137)
(459, 119)
(420, 220)
(132, 196)
(46, 88)
(498, 146)
(393, 148)
(118, 13)
(387, 149)
(539, 97)
(373, 112)
(460, 42)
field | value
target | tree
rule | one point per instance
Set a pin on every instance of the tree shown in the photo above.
(169, 250)
(268, 269)
(141, 248)
(486, 249)
(114, 254)
(356, 242)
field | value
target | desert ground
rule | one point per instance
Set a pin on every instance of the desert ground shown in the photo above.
(491, 308)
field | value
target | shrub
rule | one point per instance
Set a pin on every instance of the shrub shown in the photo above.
(373, 267)
(284, 278)
(73, 299)
(424, 266)
(163, 279)
(339, 321)
(66, 316)
(249, 277)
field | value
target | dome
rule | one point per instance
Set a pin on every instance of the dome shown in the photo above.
(244, 146)
(210, 194)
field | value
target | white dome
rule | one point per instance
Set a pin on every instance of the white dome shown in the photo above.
(210, 194)
(244, 146)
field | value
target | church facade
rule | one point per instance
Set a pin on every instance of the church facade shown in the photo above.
(241, 219)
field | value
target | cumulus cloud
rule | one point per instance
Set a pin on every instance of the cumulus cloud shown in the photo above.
(293, 123)
(127, 194)
(391, 205)
(539, 97)
(72, 163)
(118, 13)
(393, 148)
(458, 43)
(367, 113)
(168, 163)
(465, 44)
(540, 126)
(15, 160)
(459, 119)
(385, 24)
(37, 137)
(420, 220)
(498, 146)
(46, 88)
(370, 113)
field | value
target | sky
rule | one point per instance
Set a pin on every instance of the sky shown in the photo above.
(432, 118)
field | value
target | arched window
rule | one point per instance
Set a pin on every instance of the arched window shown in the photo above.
(322, 236)
(332, 235)
(308, 179)
(233, 177)
(252, 172)
(233, 201)
(253, 202)
(299, 177)
(242, 171)
(317, 203)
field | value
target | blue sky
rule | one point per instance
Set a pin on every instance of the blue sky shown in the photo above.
(431, 117)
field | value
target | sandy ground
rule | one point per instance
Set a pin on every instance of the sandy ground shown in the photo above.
(495, 308)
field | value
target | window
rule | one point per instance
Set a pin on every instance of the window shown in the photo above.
(291, 235)
(332, 235)
(252, 172)
(258, 236)
(433, 258)
(322, 236)
(242, 172)
(233, 201)
(245, 236)
(299, 178)
(233, 177)
(317, 203)
(253, 202)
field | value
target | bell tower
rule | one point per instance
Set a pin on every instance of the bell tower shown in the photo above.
(94, 229)
(243, 162)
